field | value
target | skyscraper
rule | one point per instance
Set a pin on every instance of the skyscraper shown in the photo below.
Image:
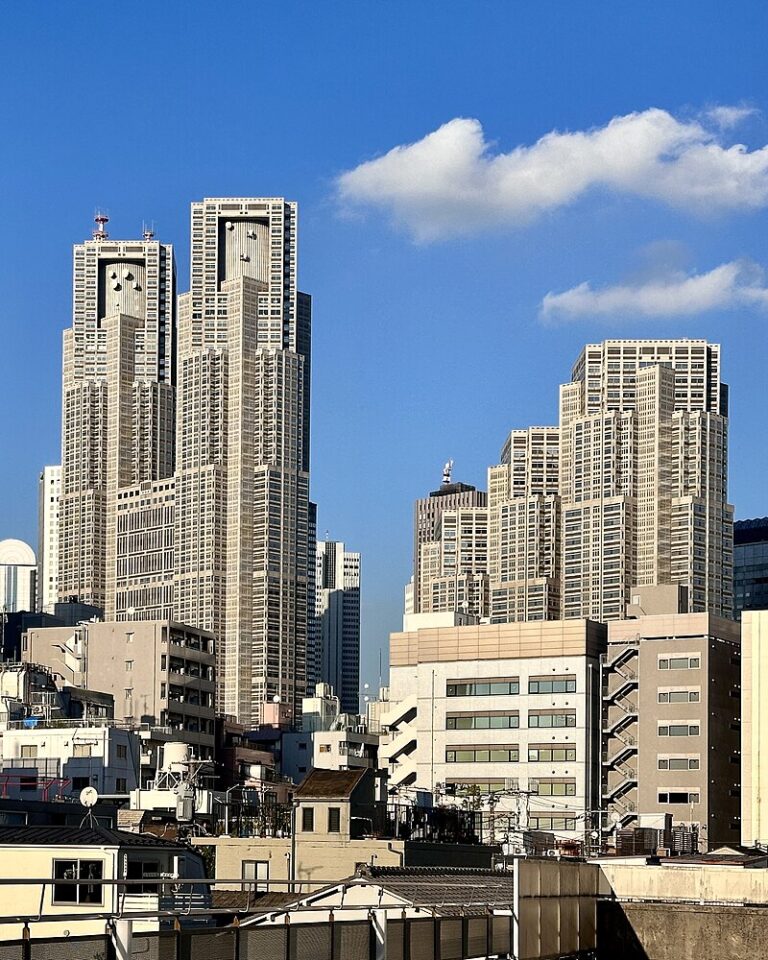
(202, 518)
(117, 400)
(242, 455)
(18, 577)
(337, 585)
(629, 490)
(450, 547)
(49, 491)
(750, 561)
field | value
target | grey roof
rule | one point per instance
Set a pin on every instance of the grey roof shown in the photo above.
(446, 890)
(90, 836)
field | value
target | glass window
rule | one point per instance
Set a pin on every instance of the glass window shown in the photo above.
(64, 870)
(308, 819)
(334, 819)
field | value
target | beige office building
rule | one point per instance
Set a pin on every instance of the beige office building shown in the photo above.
(629, 490)
(450, 551)
(160, 673)
(205, 521)
(117, 400)
(49, 491)
(671, 730)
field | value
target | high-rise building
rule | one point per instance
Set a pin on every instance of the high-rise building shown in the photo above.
(49, 490)
(450, 550)
(524, 527)
(117, 401)
(242, 455)
(629, 490)
(18, 577)
(204, 520)
(750, 565)
(337, 613)
(643, 476)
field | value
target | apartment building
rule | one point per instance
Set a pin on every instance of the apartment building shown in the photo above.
(506, 713)
(671, 723)
(160, 673)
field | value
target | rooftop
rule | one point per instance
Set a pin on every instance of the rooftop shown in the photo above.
(92, 836)
(329, 784)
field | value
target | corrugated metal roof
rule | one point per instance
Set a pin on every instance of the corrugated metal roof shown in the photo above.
(329, 784)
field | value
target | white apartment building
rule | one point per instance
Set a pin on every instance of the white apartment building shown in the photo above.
(49, 491)
(508, 711)
(754, 728)
(58, 758)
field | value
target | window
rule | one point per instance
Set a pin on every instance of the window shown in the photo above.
(678, 696)
(121, 785)
(28, 751)
(80, 783)
(482, 754)
(302, 745)
(129, 664)
(679, 663)
(679, 730)
(678, 763)
(122, 751)
(552, 823)
(82, 749)
(334, 819)
(28, 782)
(678, 796)
(482, 721)
(551, 754)
(552, 685)
(308, 819)
(554, 788)
(257, 871)
(483, 688)
(139, 870)
(552, 719)
(325, 748)
(64, 870)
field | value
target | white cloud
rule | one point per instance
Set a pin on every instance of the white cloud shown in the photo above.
(726, 117)
(453, 181)
(734, 285)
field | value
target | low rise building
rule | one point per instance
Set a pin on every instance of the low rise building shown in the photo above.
(336, 824)
(161, 673)
(504, 716)
(671, 724)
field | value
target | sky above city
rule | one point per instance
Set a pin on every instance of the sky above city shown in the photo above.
(484, 187)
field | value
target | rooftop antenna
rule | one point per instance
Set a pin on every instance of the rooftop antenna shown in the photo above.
(101, 220)
(447, 471)
(148, 232)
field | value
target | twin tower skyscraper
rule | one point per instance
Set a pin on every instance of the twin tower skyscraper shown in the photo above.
(185, 443)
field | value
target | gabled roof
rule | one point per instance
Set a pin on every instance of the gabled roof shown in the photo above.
(329, 784)
(90, 836)
(440, 891)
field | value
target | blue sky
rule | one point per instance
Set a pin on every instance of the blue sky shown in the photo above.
(429, 272)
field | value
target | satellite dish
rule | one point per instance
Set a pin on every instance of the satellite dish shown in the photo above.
(89, 796)
(276, 698)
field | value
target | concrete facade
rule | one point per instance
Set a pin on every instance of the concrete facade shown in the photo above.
(671, 723)
(18, 577)
(161, 673)
(49, 491)
(754, 727)
(505, 711)
(337, 615)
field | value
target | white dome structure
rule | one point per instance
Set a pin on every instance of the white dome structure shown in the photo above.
(18, 576)
(16, 553)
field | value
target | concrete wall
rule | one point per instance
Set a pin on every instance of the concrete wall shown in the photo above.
(555, 907)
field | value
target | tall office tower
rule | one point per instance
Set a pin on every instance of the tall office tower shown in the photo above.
(643, 477)
(750, 566)
(462, 576)
(241, 546)
(117, 412)
(337, 611)
(18, 578)
(524, 527)
(49, 491)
